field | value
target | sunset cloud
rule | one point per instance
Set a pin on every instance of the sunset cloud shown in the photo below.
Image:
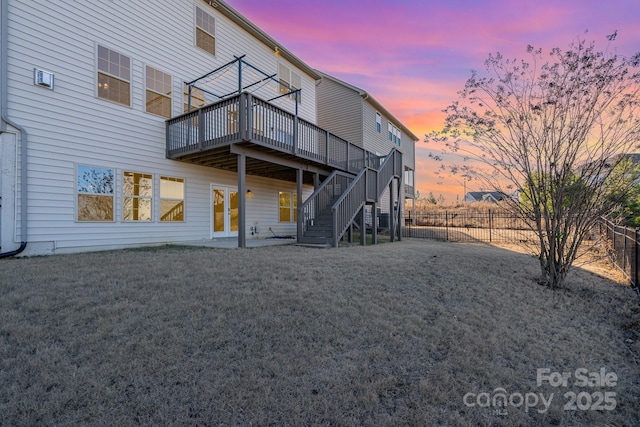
(413, 56)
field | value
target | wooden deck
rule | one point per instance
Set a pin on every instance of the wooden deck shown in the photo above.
(248, 135)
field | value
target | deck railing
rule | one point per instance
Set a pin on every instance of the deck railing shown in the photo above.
(409, 191)
(247, 118)
(210, 126)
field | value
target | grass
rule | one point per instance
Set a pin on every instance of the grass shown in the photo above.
(394, 334)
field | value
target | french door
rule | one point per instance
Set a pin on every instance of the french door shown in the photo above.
(224, 211)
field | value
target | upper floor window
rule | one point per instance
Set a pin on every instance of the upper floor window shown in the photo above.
(205, 31)
(114, 76)
(378, 123)
(158, 96)
(290, 82)
(394, 134)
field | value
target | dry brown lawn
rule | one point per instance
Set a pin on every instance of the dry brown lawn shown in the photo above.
(393, 334)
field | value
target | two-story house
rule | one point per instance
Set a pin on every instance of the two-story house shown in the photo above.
(129, 123)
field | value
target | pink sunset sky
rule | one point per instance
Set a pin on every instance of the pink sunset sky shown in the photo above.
(414, 55)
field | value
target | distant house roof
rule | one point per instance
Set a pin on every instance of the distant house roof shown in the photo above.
(485, 196)
(377, 105)
(634, 157)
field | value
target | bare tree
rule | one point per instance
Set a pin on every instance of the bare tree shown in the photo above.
(555, 127)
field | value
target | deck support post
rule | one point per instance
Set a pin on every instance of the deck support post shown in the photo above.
(242, 200)
(374, 224)
(363, 226)
(300, 214)
(295, 147)
(400, 199)
(392, 215)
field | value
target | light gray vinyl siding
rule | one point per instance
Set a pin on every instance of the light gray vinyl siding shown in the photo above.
(71, 126)
(340, 111)
(349, 114)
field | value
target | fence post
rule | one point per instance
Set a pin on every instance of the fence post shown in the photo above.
(634, 268)
(446, 225)
(624, 251)
(613, 239)
(490, 226)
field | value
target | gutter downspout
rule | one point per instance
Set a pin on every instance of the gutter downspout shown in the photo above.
(4, 121)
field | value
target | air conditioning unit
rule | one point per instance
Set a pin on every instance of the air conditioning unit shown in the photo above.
(42, 78)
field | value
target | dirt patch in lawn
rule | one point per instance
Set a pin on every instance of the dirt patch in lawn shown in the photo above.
(408, 333)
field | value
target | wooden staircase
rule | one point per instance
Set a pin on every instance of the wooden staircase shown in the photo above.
(320, 230)
(329, 212)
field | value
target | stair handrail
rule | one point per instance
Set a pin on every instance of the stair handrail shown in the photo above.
(348, 204)
(387, 170)
(315, 205)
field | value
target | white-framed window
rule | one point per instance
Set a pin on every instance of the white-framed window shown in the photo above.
(114, 76)
(290, 81)
(378, 123)
(158, 93)
(205, 31)
(395, 135)
(95, 193)
(288, 203)
(137, 196)
(171, 199)
(409, 176)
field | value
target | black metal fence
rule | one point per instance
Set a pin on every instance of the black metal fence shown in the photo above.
(622, 246)
(468, 226)
(621, 243)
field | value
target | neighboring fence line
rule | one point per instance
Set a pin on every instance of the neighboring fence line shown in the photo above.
(622, 244)
(623, 248)
(468, 226)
